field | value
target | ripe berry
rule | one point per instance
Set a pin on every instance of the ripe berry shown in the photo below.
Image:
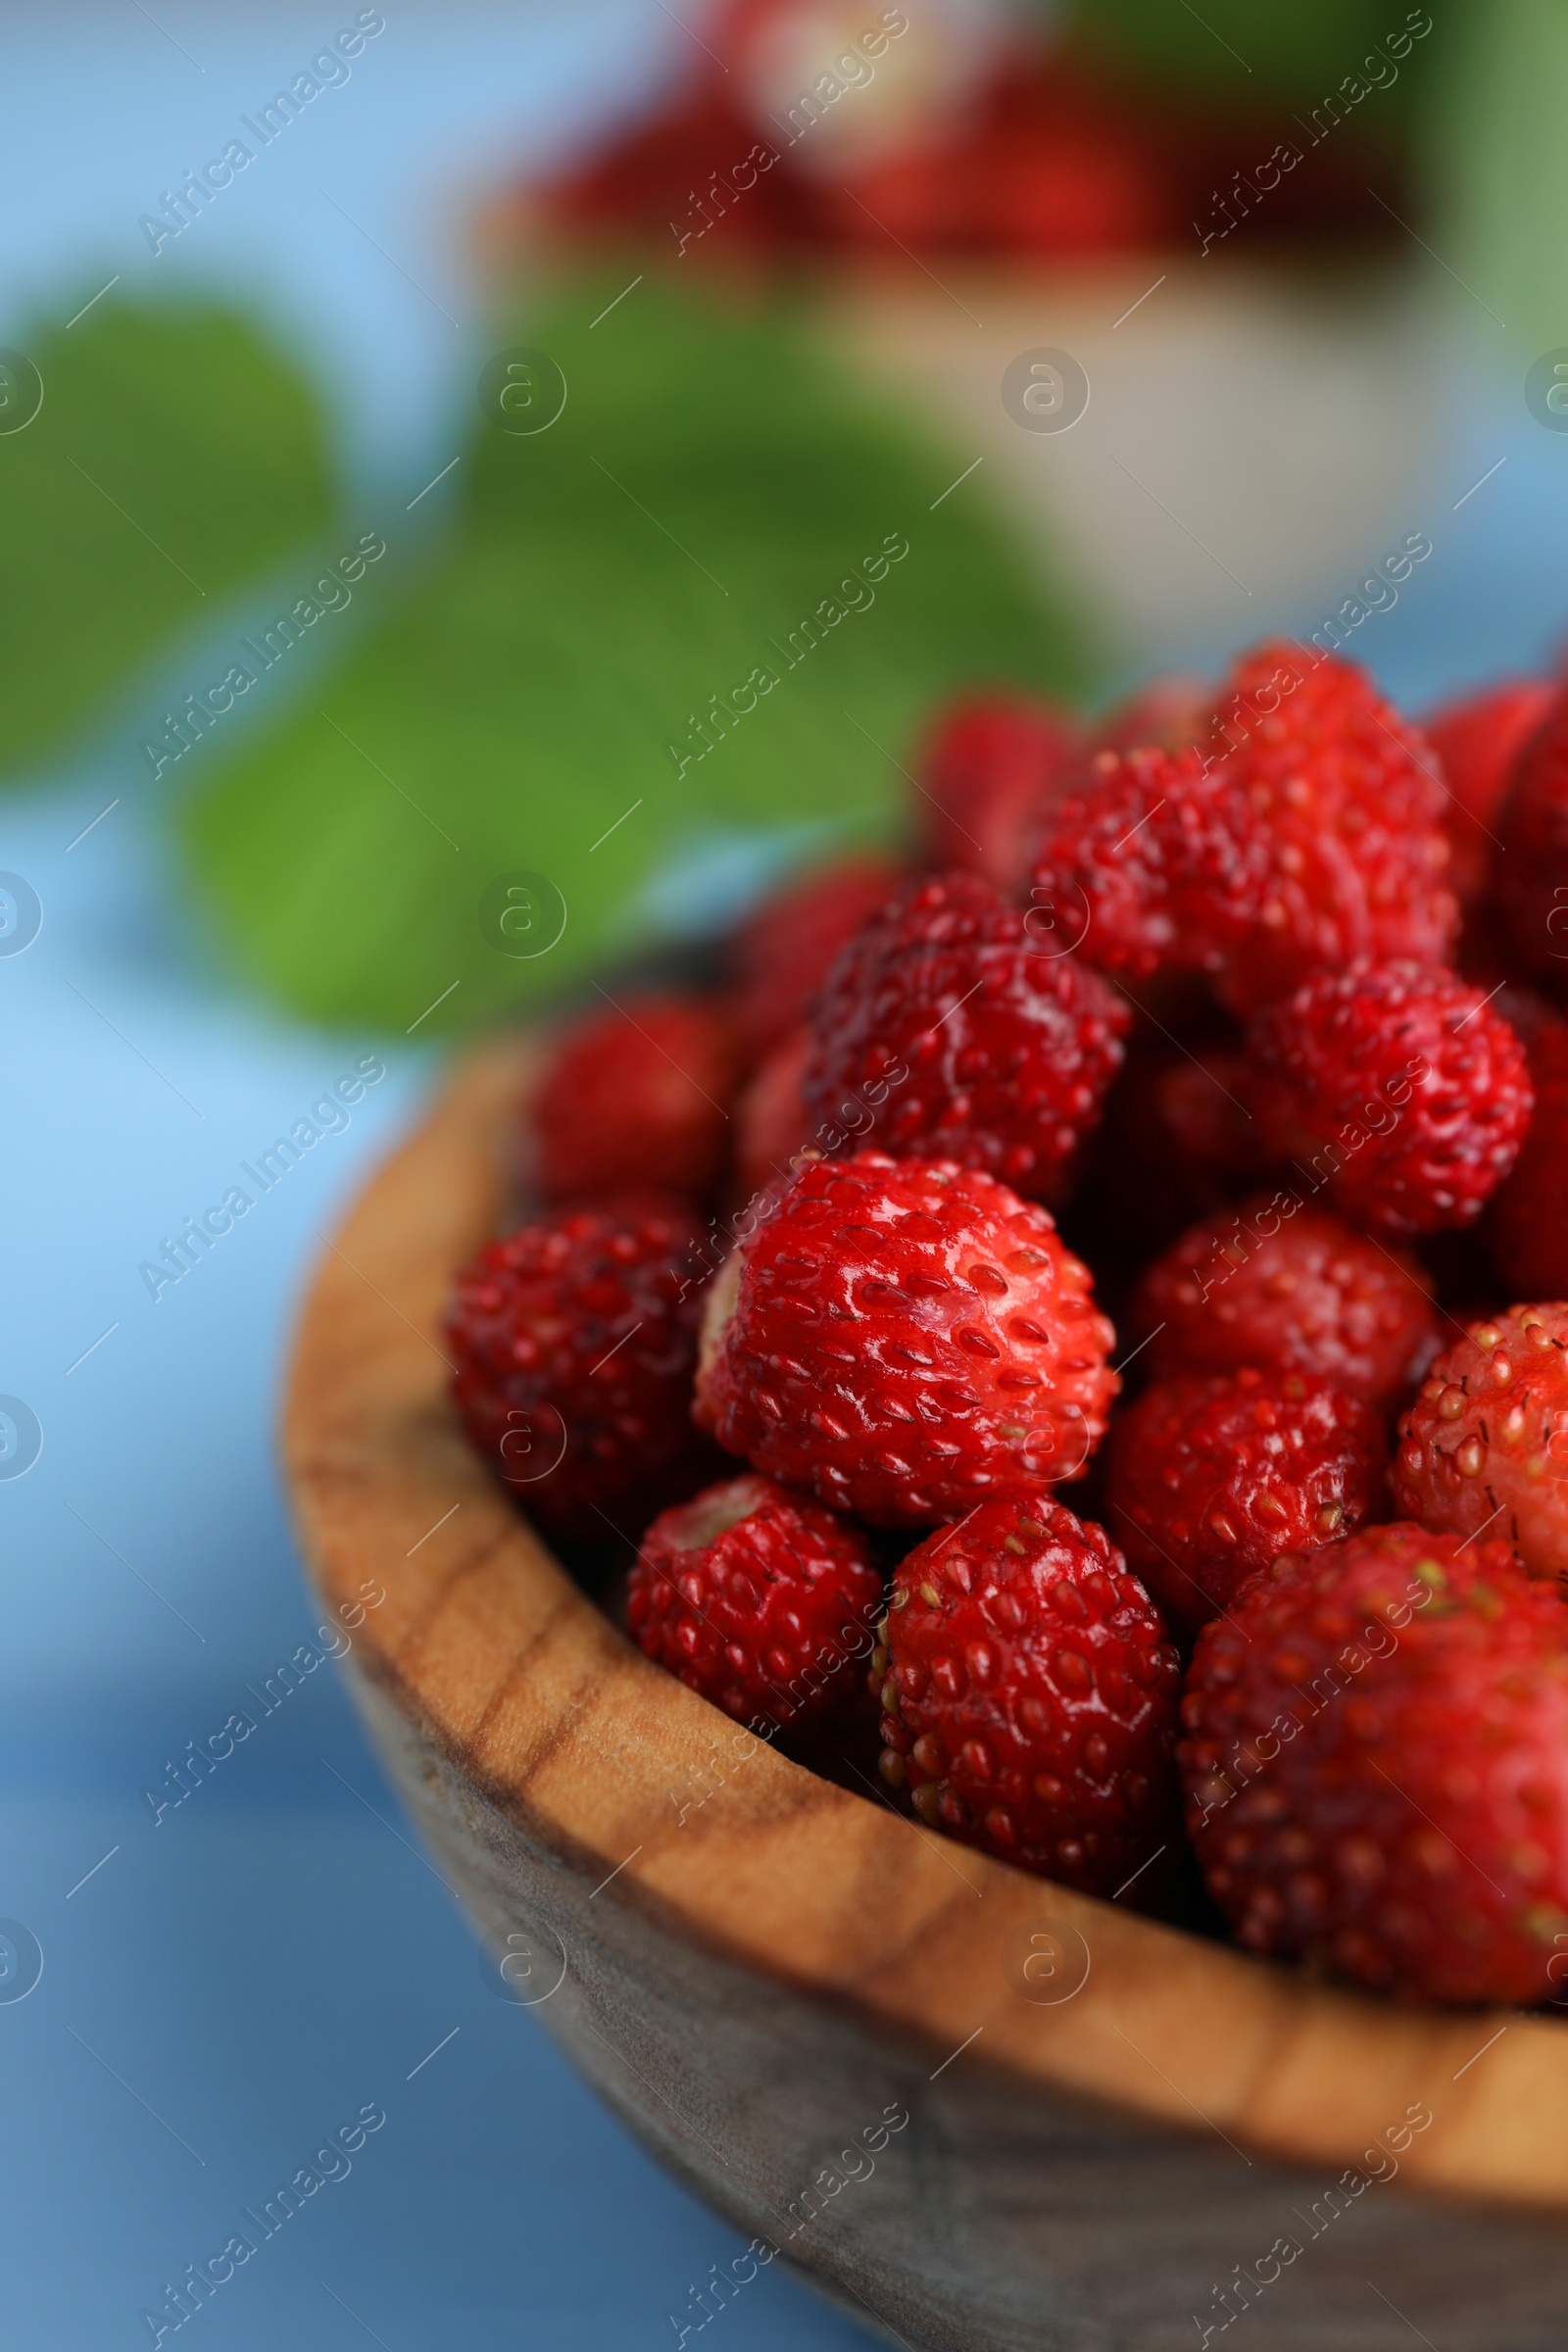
(1153, 863)
(1486, 1443)
(1208, 1479)
(1532, 873)
(950, 1032)
(1307, 831)
(1340, 790)
(1478, 740)
(1286, 1286)
(904, 1337)
(574, 1340)
(1030, 1696)
(1376, 1765)
(1399, 1088)
(635, 1093)
(992, 764)
(782, 953)
(759, 1600)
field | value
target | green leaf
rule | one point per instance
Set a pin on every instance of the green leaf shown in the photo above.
(1296, 50)
(175, 455)
(710, 482)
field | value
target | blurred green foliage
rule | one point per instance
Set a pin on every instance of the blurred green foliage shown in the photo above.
(1269, 50)
(712, 481)
(175, 456)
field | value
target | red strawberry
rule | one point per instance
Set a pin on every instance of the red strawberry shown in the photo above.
(574, 1339)
(1376, 1764)
(1532, 873)
(759, 1600)
(1478, 740)
(1341, 789)
(954, 1033)
(1030, 1696)
(1208, 1479)
(991, 764)
(903, 1337)
(1154, 862)
(1285, 1286)
(1486, 1443)
(771, 1119)
(782, 953)
(1307, 831)
(1398, 1089)
(633, 1094)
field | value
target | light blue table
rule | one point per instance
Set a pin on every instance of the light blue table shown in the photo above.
(225, 1988)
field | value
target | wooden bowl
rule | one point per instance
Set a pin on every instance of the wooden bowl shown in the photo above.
(979, 2109)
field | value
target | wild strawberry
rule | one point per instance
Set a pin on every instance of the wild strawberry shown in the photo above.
(574, 1339)
(986, 775)
(1376, 1765)
(1030, 1698)
(771, 1123)
(1153, 863)
(948, 1030)
(1208, 1479)
(1308, 830)
(904, 1337)
(1399, 1088)
(635, 1093)
(1478, 740)
(1532, 872)
(783, 951)
(1486, 1443)
(1342, 790)
(1285, 1286)
(759, 1600)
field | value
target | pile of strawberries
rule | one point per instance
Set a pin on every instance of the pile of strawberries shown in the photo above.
(1249, 1000)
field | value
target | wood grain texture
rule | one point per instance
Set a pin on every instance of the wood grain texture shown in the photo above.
(756, 1982)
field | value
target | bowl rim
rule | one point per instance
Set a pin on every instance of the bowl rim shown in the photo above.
(512, 1674)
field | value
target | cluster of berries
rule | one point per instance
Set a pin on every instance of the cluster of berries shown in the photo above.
(970, 135)
(1225, 983)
